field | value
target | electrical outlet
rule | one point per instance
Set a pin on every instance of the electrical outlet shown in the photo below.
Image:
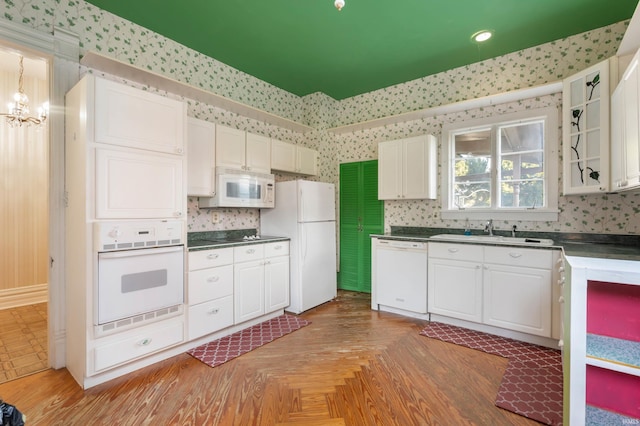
(215, 217)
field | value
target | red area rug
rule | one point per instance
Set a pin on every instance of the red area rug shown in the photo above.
(532, 383)
(226, 348)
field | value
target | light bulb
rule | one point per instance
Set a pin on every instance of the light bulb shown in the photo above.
(339, 4)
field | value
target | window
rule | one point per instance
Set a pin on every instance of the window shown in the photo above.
(503, 167)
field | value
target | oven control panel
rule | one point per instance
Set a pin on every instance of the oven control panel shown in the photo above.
(128, 235)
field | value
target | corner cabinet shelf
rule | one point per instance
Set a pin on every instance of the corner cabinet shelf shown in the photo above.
(602, 366)
(585, 130)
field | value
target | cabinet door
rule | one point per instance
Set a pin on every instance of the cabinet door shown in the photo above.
(276, 283)
(418, 167)
(248, 290)
(455, 289)
(631, 108)
(258, 153)
(585, 131)
(390, 170)
(134, 184)
(209, 317)
(618, 157)
(134, 118)
(201, 158)
(209, 284)
(230, 147)
(283, 156)
(518, 298)
(307, 160)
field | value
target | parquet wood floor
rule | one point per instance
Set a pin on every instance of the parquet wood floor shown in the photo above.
(350, 366)
(23, 341)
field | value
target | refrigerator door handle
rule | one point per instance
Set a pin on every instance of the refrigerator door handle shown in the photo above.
(303, 236)
(301, 198)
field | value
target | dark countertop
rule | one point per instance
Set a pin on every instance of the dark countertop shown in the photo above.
(206, 240)
(606, 246)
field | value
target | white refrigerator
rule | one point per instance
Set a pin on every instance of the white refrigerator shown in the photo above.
(305, 211)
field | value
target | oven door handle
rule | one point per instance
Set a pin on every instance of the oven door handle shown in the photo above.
(139, 252)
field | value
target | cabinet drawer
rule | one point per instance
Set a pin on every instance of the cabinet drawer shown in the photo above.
(138, 343)
(516, 256)
(280, 248)
(469, 252)
(209, 317)
(249, 252)
(208, 284)
(209, 258)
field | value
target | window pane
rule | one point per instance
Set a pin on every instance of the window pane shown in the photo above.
(472, 169)
(521, 178)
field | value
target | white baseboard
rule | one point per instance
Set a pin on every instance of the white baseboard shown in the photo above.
(23, 296)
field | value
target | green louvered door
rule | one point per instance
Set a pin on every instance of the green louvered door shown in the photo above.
(361, 214)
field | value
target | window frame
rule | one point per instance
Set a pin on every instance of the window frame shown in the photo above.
(550, 117)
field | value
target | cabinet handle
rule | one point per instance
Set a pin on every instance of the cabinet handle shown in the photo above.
(213, 311)
(212, 256)
(561, 343)
(453, 250)
(478, 266)
(145, 342)
(250, 251)
(213, 279)
(177, 214)
(179, 150)
(515, 255)
(277, 248)
(561, 299)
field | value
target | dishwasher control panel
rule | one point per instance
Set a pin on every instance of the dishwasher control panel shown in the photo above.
(413, 245)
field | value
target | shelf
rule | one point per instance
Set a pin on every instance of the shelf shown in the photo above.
(500, 98)
(613, 354)
(598, 417)
(118, 68)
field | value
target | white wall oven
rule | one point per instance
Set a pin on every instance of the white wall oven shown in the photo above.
(140, 273)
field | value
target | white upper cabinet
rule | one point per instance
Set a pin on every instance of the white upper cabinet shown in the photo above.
(625, 130)
(135, 118)
(258, 153)
(407, 168)
(287, 157)
(585, 130)
(201, 157)
(240, 150)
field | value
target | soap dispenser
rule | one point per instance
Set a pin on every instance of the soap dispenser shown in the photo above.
(467, 227)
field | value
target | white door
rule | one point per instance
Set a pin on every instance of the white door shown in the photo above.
(276, 283)
(138, 119)
(138, 184)
(248, 286)
(455, 289)
(201, 157)
(316, 201)
(317, 279)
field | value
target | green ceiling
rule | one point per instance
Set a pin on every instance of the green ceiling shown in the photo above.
(307, 46)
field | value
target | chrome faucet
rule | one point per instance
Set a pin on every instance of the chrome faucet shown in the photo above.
(513, 231)
(489, 227)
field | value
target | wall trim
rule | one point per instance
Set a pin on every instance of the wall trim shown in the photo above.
(23, 296)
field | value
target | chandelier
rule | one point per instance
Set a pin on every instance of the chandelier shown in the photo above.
(19, 108)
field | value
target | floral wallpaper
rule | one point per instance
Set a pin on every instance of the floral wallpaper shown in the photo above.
(113, 36)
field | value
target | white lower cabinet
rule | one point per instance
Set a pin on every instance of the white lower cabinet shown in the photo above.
(261, 279)
(506, 287)
(455, 281)
(137, 343)
(209, 291)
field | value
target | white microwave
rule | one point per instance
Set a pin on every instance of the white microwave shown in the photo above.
(239, 188)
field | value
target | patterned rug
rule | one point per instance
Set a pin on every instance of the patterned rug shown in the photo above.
(532, 383)
(228, 347)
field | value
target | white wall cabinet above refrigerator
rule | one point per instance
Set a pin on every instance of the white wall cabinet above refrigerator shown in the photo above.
(241, 150)
(126, 116)
(287, 157)
(625, 129)
(585, 129)
(201, 157)
(407, 168)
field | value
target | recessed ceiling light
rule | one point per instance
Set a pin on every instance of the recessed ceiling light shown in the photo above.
(481, 36)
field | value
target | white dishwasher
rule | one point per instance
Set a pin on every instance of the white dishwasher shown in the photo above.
(401, 275)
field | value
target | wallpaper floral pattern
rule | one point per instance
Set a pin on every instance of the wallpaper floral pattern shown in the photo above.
(123, 40)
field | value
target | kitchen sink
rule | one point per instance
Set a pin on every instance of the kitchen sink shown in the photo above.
(493, 239)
